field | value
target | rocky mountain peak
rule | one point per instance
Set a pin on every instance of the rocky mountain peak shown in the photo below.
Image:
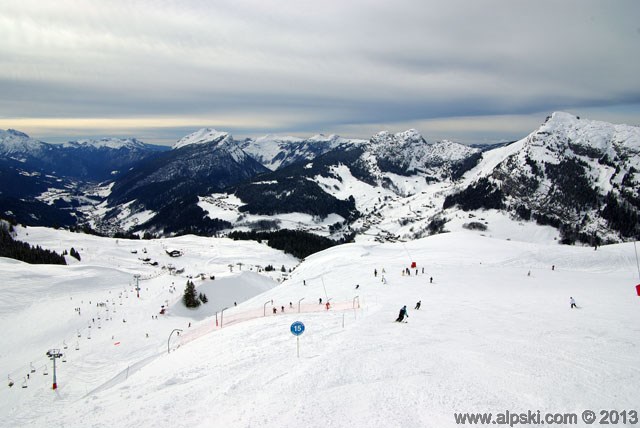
(203, 136)
(110, 143)
(16, 142)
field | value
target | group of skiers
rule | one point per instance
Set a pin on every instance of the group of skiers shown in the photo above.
(403, 312)
(275, 309)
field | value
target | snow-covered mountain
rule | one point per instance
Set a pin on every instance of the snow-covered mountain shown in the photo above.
(109, 142)
(342, 189)
(408, 153)
(203, 136)
(166, 187)
(48, 184)
(276, 152)
(576, 174)
(87, 159)
(19, 145)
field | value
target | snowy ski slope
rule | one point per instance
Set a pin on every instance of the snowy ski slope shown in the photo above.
(494, 332)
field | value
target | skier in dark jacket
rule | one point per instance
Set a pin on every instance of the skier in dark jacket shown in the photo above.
(403, 313)
(418, 304)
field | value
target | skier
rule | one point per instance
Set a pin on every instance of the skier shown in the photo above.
(418, 304)
(553, 267)
(431, 280)
(275, 310)
(573, 303)
(375, 272)
(402, 314)
(320, 301)
(328, 305)
(357, 286)
(290, 305)
(281, 308)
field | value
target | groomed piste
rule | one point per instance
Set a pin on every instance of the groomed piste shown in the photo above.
(494, 332)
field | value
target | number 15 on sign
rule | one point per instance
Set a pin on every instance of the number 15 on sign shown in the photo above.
(297, 328)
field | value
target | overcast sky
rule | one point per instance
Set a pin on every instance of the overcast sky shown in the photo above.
(472, 71)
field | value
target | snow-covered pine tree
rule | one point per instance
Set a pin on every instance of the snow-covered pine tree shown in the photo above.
(74, 253)
(190, 299)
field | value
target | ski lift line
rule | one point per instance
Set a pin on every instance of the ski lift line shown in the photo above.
(40, 361)
(26, 368)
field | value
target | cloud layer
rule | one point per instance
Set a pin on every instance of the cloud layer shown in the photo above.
(252, 66)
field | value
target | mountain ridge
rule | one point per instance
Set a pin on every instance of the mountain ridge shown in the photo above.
(577, 175)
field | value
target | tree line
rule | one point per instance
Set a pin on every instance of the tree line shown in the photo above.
(295, 242)
(11, 248)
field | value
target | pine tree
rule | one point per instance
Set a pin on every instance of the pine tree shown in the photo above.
(190, 299)
(74, 253)
(22, 251)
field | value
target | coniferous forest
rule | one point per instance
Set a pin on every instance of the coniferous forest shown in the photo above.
(22, 251)
(297, 243)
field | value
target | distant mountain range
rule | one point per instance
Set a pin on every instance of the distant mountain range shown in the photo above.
(577, 175)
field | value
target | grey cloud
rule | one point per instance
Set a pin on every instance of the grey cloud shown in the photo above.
(315, 64)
